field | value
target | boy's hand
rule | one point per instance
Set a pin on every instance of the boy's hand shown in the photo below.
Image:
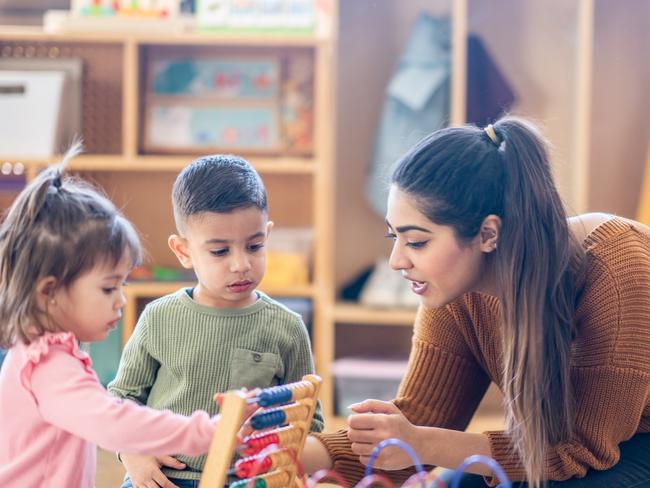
(145, 472)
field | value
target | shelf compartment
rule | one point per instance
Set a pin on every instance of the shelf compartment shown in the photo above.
(238, 99)
(353, 313)
(101, 83)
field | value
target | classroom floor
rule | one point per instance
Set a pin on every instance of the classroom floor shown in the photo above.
(110, 472)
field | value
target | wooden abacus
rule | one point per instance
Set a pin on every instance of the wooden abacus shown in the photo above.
(286, 425)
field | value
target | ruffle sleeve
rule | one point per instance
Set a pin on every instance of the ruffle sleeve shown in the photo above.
(39, 349)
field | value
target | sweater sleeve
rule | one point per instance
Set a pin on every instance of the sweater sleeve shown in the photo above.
(299, 362)
(607, 415)
(69, 396)
(137, 370)
(610, 365)
(442, 388)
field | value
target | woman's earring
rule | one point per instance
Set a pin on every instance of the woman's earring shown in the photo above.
(494, 246)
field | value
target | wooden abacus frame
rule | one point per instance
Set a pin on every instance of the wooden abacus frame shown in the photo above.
(224, 441)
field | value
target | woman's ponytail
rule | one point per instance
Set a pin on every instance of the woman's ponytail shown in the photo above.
(535, 273)
(461, 175)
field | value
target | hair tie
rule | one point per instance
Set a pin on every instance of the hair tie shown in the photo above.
(56, 181)
(489, 130)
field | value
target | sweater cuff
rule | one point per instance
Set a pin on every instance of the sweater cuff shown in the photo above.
(344, 461)
(502, 451)
(347, 464)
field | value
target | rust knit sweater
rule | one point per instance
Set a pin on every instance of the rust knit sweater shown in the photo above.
(456, 350)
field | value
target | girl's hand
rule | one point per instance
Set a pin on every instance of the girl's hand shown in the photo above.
(374, 422)
(315, 456)
(251, 408)
(145, 472)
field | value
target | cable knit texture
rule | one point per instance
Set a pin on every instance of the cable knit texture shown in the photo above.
(456, 353)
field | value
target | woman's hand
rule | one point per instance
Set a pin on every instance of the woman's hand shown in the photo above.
(376, 421)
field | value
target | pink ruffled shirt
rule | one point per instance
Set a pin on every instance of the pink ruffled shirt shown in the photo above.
(54, 412)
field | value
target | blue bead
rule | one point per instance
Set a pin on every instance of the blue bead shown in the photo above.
(268, 419)
(274, 396)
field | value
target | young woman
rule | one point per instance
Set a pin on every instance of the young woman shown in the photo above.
(555, 311)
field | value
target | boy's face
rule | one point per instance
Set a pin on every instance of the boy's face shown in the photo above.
(228, 254)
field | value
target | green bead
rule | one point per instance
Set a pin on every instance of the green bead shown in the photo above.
(259, 483)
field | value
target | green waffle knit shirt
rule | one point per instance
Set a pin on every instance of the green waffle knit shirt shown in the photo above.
(182, 353)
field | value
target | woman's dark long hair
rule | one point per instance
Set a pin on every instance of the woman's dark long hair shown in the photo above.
(461, 175)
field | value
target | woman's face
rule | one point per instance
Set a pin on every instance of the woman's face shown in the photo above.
(439, 267)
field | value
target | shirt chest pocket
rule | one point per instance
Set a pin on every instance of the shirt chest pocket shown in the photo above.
(253, 369)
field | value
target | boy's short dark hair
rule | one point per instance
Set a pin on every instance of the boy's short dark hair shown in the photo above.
(217, 183)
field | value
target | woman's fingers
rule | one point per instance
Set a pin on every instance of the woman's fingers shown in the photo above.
(362, 448)
(369, 436)
(374, 406)
(365, 421)
(364, 460)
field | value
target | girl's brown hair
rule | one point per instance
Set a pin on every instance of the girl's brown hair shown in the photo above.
(461, 175)
(58, 226)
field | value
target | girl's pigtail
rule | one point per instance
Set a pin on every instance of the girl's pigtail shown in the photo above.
(15, 232)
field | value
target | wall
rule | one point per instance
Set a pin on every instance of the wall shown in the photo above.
(530, 40)
(535, 44)
(621, 105)
(371, 36)
(538, 52)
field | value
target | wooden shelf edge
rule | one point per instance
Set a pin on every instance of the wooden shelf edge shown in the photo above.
(353, 313)
(110, 162)
(36, 33)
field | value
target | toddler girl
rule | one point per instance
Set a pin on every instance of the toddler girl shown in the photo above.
(65, 253)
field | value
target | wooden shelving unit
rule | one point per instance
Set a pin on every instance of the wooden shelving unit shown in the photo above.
(114, 82)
